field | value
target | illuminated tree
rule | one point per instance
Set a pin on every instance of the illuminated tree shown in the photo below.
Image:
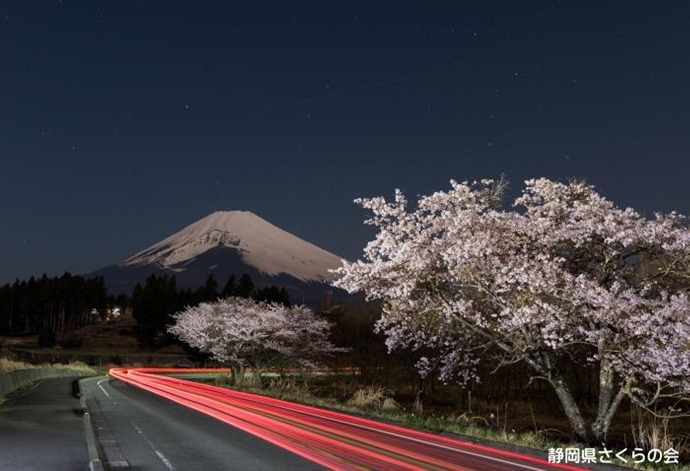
(247, 333)
(562, 273)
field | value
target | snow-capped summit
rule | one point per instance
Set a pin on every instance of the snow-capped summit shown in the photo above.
(231, 243)
(261, 245)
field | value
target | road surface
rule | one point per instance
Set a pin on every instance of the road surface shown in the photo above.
(41, 429)
(142, 431)
(181, 438)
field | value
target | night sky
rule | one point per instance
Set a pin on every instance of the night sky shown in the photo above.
(123, 121)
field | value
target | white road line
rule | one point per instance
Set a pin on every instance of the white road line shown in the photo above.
(158, 453)
(165, 461)
(104, 391)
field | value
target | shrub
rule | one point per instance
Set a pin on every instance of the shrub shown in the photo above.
(372, 398)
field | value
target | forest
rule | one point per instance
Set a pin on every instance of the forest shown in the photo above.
(60, 305)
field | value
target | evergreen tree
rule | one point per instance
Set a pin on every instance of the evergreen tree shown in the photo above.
(60, 304)
(230, 288)
(273, 295)
(152, 307)
(284, 297)
(209, 291)
(245, 287)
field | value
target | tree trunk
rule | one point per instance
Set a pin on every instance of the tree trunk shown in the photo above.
(545, 366)
(601, 424)
(237, 376)
(572, 411)
(609, 399)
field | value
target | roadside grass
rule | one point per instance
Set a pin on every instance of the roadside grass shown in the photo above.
(8, 365)
(377, 403)
(373, 398)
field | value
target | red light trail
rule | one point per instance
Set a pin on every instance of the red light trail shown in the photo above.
(335, 440)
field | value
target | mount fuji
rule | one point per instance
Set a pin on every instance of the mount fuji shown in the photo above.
(230, 243)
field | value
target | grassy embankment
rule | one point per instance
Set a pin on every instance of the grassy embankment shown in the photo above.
(8, 365)
(378, 403)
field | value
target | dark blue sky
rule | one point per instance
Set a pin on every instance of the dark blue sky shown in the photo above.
(123, 121)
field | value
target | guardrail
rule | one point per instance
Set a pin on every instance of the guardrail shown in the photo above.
(16, 379)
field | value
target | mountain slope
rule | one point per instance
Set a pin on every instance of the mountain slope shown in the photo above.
(225, 243)
(262, 245)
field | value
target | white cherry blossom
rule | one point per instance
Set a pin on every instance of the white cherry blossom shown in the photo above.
(563, 271)
(247, 333)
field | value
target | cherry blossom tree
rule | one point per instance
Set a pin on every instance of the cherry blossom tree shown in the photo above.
(562, 272)
(247, 333)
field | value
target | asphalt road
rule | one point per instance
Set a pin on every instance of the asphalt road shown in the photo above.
(41, 429)
(139, 430)
(336, 440)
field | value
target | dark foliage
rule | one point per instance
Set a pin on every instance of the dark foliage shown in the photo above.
(60, 304)
(46, 338)
(158, 299)
(152, 306)
(273, 295)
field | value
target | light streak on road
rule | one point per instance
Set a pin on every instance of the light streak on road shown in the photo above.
(335, 440)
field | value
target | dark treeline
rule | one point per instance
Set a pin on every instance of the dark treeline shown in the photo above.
(154, 302)
(64, 304)
(60, 304)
